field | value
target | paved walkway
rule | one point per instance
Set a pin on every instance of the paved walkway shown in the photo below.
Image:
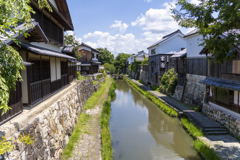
(88, 146)
(225, 146)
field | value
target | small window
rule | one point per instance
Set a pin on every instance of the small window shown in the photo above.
(153, 51)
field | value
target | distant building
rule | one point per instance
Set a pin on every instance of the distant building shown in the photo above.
(160, 53)
(89, 60)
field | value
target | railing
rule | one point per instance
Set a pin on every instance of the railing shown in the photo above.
(39, 90)
(55, 85)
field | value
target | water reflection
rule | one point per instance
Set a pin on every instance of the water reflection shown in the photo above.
(141, 131)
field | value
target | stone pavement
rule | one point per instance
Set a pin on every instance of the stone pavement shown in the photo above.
(88, 146)
(225, 146)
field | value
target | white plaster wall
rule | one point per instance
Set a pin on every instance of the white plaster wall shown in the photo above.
(49, 45)
(54, 3)
(193, 48)
(58, 62)
(53, 68)
(85, 48)
(235, 97)
(174, 44)
(24, 82)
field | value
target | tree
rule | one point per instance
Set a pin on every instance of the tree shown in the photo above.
(70, 39)
(213, 18)
(105, 56)
(121, 60)
(109, 67)
(145, 61)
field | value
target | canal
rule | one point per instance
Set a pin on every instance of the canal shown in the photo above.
(141, 131)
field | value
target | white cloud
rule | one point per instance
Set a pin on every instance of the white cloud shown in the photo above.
(121, 26)
(96, 35)
(157, 21)
(118, 43)
(72, 33)
(148, 1)
(196, 2)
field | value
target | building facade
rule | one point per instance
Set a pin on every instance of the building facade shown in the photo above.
(48, 69)
(160, 53)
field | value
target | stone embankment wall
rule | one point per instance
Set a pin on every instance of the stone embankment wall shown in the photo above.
(144, 76)
(228, 118)
(194, 90)
(50, 124)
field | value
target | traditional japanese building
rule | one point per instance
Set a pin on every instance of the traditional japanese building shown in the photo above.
(160, 53)
(89, 60)
(48, 69)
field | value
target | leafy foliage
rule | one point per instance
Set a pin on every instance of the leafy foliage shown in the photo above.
(99, 76)
(213, 18)
(145, 61)
(121, 60)
(109, 67)
(169, 81)
(105, 56)
(70, 39)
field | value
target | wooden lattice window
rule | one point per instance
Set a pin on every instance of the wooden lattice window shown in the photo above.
(47, 26)
(64, 68)
(45, 69)
(35, 71)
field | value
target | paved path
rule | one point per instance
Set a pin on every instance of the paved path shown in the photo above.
(88, 146)
(225, 146)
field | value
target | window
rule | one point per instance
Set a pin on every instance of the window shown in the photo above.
(223, 95)
(153, 51)
(64, 68)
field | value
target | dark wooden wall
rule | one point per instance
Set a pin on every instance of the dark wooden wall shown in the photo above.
(87, 57)
(197, 66)
(15, 102)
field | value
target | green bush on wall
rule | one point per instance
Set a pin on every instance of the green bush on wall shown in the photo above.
(169, 81)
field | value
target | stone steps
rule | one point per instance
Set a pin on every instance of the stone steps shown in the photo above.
(215, 132)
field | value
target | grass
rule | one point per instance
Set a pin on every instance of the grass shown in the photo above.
(99, 96)
(191, 128)
(95, 82)
(208, 153)
(170, 111)
(107, 152)
(80, 128)
(201, 147)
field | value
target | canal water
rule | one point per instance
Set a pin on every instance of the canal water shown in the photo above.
(141, 131)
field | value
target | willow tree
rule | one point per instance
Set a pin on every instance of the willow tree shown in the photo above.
(11, 13)
(213, 18)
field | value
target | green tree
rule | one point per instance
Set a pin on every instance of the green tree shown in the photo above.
(70, 39)
(105, 56)
(109, 67)
(145, 61)
(213, 18)
(11, 13)
(121, 60)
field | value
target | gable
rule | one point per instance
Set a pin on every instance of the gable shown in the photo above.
(54, 4)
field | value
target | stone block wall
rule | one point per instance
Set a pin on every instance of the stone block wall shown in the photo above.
(178, 93)
(229, 119)
(194, 90)
(144, 76)
(50, 125)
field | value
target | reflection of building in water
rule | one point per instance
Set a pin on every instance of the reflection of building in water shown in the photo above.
(168, 134)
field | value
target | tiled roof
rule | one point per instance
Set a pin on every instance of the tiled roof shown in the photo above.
(191, 32)
(231, 85)
(36, 25)
(44, 51)
(84, 44)
(68, 49)
(180, 54)
(165, 38)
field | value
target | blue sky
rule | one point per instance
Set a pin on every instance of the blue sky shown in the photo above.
(125, 26)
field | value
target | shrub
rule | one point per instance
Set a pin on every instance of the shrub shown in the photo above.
(155, 87)
(101, 71)
(169, 81)
(104, 74)
(141, 81)
(99, 76)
